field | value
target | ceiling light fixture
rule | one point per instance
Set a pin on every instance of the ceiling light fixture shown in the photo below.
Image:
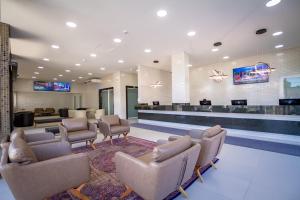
(277, 33)
(46, 59)
(215, 50)
(191, 33)
(102, 68)
(226, 57)
(67, 70)
(93, 55)
(34, 77)
(36, 72)
(272, 3)
(120, 61)
(71, 24)
(161, 13)
(40, 67)
(55, 79)
(77, 64)
(80, 77)
(189, 65)
(117, 40)
(60, 75)
(147, 50)
(218, 76)
(279, 46)
(54, 46)
(90, 74)
(73, 80)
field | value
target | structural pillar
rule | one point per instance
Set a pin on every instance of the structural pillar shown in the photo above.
(4, 80)
(180, 78)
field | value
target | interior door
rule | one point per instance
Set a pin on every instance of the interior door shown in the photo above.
(131, 100)
(106, 100)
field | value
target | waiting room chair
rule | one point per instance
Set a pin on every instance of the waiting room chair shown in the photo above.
(111, 125)
(155, 175)
(211, 141)
(38, 111)
(41, 171)
(78, 130)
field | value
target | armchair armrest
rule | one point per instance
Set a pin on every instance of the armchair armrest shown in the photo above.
(124, 122)
(47, 178)
(44, 141)
(51, 150)
(196, 133)
(39, 137)
(92, 127)
(104, 128)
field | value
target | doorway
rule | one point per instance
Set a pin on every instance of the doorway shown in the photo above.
(106, 100)
(131, 101)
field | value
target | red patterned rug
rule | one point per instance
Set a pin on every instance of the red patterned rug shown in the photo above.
(104, 184)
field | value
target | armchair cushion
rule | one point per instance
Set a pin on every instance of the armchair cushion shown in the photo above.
(119, 129)
(112, 120)
(51, 150)
(213, 131)
(20, 152)
(77, 124)
(168, 150)
(35, 137)
(81, 135)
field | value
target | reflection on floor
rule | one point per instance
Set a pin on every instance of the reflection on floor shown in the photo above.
(243, 173)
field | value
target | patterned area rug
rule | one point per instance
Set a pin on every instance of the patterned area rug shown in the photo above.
(104, 184)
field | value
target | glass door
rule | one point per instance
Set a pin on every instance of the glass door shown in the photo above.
(106, 100)
(131, 101)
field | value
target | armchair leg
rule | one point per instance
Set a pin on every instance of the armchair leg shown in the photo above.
(126, 193)
(92, 144)
(213, 165)
(181, 190)
(199, 175)
(76, 192)
(125, 135)
(104, 138)
(111, 141)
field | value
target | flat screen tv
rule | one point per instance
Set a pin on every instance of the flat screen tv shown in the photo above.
(61, 86)
(42, 86)
(251, 74)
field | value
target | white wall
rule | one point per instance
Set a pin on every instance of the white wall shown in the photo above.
(148, 76)
(201, 86)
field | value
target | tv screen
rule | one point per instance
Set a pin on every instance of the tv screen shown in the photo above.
(61, 86)
(251, 74)
(42, 86)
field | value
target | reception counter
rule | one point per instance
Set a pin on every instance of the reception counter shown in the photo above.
(273, 119)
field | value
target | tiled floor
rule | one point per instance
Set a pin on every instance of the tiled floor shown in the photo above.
(242, 173)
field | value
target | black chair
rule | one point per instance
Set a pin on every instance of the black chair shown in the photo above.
(63, 112)
(23, 119)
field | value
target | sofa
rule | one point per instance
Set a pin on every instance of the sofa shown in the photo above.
(40, 171)
(78, 130)
(111, 125)
(155, 175)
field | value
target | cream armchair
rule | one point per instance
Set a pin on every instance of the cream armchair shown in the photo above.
(211, 141)
(40, 171)
(154, 176)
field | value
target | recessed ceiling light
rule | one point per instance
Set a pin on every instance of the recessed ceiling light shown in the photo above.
(46, 59)
(54, 46)
(120, 61)
(67, 70)
(117, 40)
(279, 46)
(77, 64)
(73, 80)
(93, 55)
(40, 67)
(147, 50)
(80, 77)
(34, 77)
(226, 57)
(191, 33)
(277, 33)
(71, 24)
(272, 3)
(215, 50)
(190, 65)
(90, 74)
(102, 68)
(36, 72)
(161, 13)
(60, 75)
(55, 79)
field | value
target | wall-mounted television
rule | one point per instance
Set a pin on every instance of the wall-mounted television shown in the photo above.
(251, 74)
(51, 86)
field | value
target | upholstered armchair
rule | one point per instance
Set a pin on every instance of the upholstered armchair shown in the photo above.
(78, 130)
(211, 141)
(99, 113)
(111, 125)
(41, 171)
(155, 175)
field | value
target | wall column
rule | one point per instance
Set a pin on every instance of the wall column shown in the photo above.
(4, 80)
(180, 78)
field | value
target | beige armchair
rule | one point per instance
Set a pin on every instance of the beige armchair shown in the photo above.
(40, 171)
(99, 113)
(111, 125)
(211, 141)
(78, 130)
(154, 176)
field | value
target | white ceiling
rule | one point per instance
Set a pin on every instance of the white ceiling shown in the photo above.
(38, 24)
